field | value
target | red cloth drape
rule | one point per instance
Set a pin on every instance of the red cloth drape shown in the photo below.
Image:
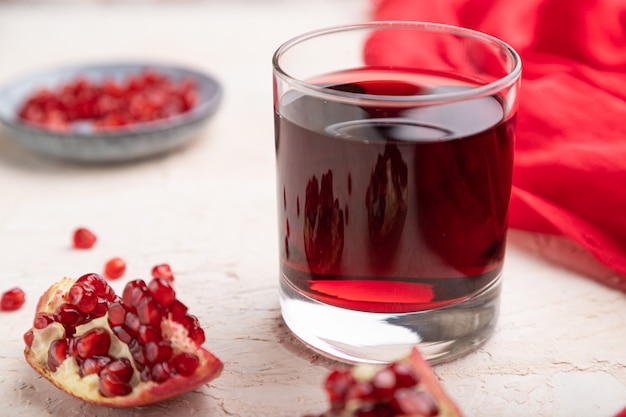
(570, 166)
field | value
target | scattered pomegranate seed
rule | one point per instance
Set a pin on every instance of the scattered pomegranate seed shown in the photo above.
(163, 271)
(84, 238)
(114, 268)
(12, 299)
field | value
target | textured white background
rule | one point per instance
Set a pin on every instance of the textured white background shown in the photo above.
(209, 210)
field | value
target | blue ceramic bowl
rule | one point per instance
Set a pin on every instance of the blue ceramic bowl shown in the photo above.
(140, 140)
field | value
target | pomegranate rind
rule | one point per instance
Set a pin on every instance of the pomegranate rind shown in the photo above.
(144, 393)
(430, 383)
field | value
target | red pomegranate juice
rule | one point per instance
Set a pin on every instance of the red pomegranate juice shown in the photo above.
(392, 208)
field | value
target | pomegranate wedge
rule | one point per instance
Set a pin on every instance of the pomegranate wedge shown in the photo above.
(118, 351)
(407, 388)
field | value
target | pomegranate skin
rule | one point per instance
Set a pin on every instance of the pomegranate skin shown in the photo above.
(67, 377)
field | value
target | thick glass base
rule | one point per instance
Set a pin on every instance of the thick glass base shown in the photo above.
(354, 336)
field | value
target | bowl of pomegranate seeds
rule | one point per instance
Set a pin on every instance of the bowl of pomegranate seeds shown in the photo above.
(109, 112)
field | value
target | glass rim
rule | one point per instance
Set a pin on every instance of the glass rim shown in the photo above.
(481, 91)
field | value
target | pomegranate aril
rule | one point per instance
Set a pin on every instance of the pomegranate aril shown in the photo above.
(132, 323)
(157, 352)
(197, 335)
(148, 334)
(29, 336)
(162, 292)
(95, 283)
(84, 299)
(176, 311)
(114, 268)
(69, 317)
(194, 331)
(122, 334)
(100, 309)
(42, 320)
(115, 377)
(411, 402)
(93, 365)
(149, 312)
(337, 385)
(161, 372)
(57, 353)
(133, 292)
(163, 271)
(137, 351)
(95, 342)
(384, 383)
(405, 377)
(12, 299)
(117, 314)
(185, 363)
(361, 390)
(84, 238)
(120, 369)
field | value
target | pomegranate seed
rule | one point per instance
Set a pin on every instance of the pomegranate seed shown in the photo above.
(57, 353)
(149, 312)
(29, 337)
(42, 320)
(114, 268)
(84, 238)
(405, 377)
(69, 317)
(122, 333)
(176, 311)
(100, 309)
(185, 363)
(95, 283)
(117, 313)
(161, 372)
(132, 323)
(136, 349)
(336, 386)
(95, 342)
(110, 388)
(120, 369)
(84, 299)
(360, 390)
(148, 334)
(93, 365)
(162, 291)
(194, 331)
(114, 378)
(157, 352)
(384, 383)
(133, 292)
(163, 271)
(12, 299)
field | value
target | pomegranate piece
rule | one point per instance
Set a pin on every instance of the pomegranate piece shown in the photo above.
(12, 299)
(114, 268)
(126, 351)
(84, 238)
(407, 388)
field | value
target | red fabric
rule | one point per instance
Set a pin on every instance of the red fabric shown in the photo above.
(570, 166)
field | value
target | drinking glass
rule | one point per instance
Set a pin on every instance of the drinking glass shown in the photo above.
(394, 156)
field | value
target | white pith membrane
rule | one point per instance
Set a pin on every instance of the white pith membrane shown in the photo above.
(67, 376)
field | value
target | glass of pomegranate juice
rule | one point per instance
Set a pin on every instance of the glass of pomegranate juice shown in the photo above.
(394, 154)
